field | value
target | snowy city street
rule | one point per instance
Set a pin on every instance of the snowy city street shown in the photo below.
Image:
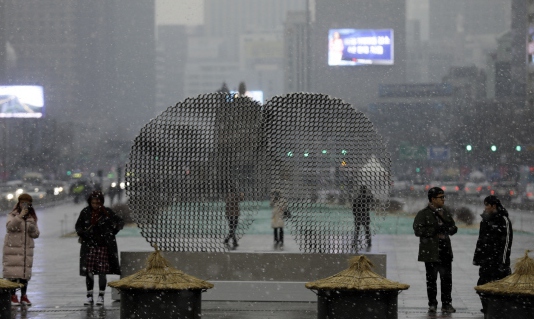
(57, 290)
(284, 159)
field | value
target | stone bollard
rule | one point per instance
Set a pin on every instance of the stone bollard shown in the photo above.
(357, 293)
(160, 291)
(512, 296)
(7, 288)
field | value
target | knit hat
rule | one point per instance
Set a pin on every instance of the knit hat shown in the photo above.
(25, 197)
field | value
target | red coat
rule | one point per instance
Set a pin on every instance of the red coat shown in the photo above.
(18, 246)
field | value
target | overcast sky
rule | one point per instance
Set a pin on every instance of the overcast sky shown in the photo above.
(187, 12)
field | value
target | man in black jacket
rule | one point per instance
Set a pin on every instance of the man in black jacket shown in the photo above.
(494, 244)
(434, 225)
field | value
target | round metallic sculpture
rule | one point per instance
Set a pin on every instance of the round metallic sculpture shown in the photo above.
(321, 153)
(185, 163)
(208, 159)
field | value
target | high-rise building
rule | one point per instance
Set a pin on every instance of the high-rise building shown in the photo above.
(242, 41)
(461, 32)
(170, 65)
(45, 46)
(94, 59)
(522, 73)
(453, 33)
(96, 62)
(499, 68)
(231, 18)
(296, 53)
(473, 17)
(3, 43)
(358, 84)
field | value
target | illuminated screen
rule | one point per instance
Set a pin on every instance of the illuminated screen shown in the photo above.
(255, 95)
(360, 46)
(22, 101)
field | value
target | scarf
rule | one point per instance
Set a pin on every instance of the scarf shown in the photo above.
(439, 219)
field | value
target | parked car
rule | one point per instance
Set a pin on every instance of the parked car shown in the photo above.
(57, 189)
(8, 197)
(505, 190)
(32, 178)
(529, 191)
(35, 191)
(400, 187)
(477, 185)
(451, 186)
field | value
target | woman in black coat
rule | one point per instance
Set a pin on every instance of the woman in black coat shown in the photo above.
(97, 226)
(494, 244)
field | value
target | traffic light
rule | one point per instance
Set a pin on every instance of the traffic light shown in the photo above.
(468, 147)
(306, 154)
(417, 169)
(344, 152)
(69, 173)
(290, 154)
(493, 148)
(324, 151)
(518, 148)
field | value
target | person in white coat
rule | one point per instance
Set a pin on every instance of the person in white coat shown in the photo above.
(279, 213)
(17, 258)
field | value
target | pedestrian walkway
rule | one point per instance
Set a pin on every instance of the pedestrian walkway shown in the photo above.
(57, 290)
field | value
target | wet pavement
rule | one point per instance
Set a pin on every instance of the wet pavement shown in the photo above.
(57, 291)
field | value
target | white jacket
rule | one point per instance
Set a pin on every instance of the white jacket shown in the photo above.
(279, 207)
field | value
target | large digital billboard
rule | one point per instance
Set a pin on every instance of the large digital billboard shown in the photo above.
(360, 46)
(21, 101)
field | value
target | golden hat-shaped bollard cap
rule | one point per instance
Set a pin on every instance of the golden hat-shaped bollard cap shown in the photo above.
(357, 277)
(160, 275)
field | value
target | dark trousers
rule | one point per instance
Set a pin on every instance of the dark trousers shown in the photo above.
(444, 269)
(232, 224)
(366, 224)
(279, 235)
(90, 281)
(489, 273)
(24, 283)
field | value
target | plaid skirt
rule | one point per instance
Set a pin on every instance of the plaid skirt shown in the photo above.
(98, 260)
